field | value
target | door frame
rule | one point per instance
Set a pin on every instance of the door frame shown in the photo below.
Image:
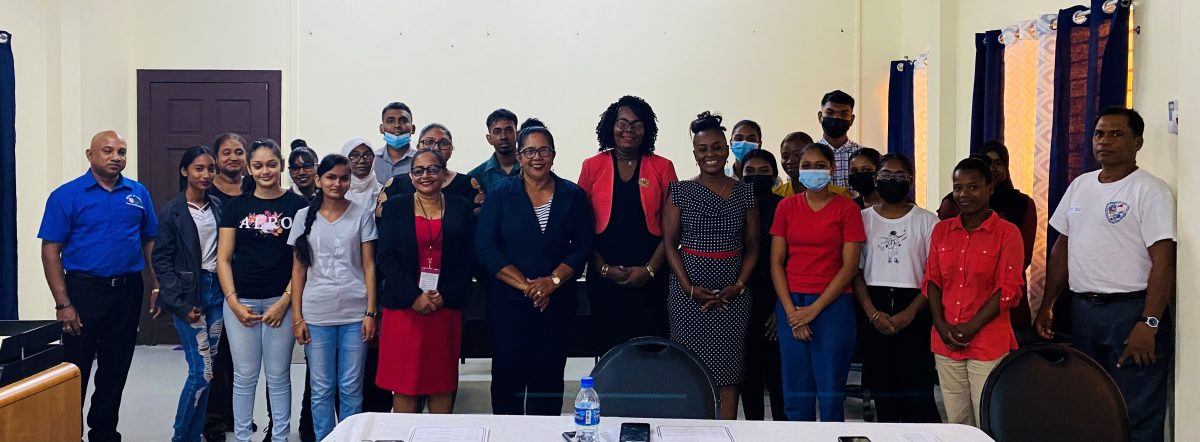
(146, 77)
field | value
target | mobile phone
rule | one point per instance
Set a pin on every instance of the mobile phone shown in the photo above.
(635, 432)
(853, 439)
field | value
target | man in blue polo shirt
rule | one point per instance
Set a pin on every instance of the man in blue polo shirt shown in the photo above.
(97, 234)
(502, 135)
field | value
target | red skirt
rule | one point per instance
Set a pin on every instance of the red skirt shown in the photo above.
(418, 354)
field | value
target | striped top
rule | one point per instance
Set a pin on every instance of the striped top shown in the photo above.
(542, 213)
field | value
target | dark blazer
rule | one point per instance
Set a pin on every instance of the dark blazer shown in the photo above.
(397, 254)
(508, 231)
(176, 256)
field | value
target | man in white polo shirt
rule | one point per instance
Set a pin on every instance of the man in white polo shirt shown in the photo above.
(1117, 254)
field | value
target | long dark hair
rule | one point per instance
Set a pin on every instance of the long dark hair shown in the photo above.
(303, 248)
(249, 185)
(190, 156)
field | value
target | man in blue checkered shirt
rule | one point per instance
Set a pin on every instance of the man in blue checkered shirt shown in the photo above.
(836, 116)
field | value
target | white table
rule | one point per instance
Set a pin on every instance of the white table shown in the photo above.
(372, 426)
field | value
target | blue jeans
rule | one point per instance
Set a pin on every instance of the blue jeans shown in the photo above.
(336, 357)
(266, 348)
(815, 372)
(199, 341)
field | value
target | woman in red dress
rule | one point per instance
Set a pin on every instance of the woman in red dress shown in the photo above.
(423, 294)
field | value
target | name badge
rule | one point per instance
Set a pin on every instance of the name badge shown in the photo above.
(429, 279)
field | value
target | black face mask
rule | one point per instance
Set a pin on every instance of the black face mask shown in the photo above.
(863, 182)
(892, 191)
(762, 184)
(835, 127)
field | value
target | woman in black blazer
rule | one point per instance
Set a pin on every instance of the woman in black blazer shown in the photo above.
(426, 255)
(534, 237)
(185, 263)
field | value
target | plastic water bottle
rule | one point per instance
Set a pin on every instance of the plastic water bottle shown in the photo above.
(587, 412)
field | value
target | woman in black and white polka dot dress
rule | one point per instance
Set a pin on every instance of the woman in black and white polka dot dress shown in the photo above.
(710, 230)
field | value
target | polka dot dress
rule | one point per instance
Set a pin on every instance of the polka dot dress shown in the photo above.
(708, 223)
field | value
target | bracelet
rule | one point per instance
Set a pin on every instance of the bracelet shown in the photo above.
(874, 317)
(234, 295)
(650, 270)
(604, 271)
(297, 323)
(693, 292)
(62, 306)
(154, 291)
(739, 284)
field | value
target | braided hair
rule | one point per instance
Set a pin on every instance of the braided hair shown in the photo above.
(303, 248)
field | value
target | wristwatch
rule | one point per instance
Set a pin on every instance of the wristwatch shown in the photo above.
(1150, 321)
(374, 315)
(61, 306)
(556, 280)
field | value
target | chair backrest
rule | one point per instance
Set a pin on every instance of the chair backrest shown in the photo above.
(1052, 392)
(655, 378)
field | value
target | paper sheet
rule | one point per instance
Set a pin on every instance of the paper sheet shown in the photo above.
(694, 434)
(448, 433)
(919, 437)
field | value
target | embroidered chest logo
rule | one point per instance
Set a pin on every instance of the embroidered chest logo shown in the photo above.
(134, 201)
(891, 244)
(1115, 211)
(266, 223)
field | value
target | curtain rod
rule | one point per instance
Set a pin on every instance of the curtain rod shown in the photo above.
(1012, 33)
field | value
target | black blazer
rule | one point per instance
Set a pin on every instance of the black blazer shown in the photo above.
(176, 256)
(397, 254)
(508, 232)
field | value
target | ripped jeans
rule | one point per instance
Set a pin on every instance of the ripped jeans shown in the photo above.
(199, 342)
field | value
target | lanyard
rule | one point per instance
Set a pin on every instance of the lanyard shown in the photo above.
(429, 227)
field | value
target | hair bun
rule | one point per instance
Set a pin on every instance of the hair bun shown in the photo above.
(706, 121)
(532, 122)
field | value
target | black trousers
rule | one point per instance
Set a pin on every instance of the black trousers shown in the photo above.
(898, 369)
(219, 415)
(1100, 330)
(529, 351)
(110, 322)
(763, 366)
(620, 314)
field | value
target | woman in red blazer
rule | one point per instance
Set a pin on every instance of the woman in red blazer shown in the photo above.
(626, 184)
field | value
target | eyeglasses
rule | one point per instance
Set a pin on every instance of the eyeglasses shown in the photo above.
(356, 157)
(625, 125)
(302, 166)
(427, 170)
(531, 153)
(441, 144)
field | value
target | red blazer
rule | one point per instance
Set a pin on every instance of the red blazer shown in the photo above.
(596, 179)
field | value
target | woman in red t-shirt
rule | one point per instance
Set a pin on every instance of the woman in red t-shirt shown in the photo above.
(817, 239)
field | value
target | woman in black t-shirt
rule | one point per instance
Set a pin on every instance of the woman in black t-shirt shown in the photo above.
(254, 266)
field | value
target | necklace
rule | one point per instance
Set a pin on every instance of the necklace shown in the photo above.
(628, 161)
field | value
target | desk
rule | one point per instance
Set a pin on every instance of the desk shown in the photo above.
(371, 426)
(43, 407)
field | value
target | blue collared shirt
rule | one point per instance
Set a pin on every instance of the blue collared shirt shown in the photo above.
(385, 168)
(489, 173)
(101, 231)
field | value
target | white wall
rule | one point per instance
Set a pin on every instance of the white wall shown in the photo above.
(453, 62)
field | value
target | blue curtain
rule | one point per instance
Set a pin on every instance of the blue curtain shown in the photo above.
(987, 100)
(8, 181)
(1090, 74)
(900, 108)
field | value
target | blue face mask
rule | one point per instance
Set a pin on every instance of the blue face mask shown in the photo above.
(397, 141)
(815, 179)
(741, 148)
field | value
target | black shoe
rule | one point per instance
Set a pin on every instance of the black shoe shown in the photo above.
(215, 437)
(267, 432)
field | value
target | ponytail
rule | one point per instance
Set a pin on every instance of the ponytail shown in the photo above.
(303, 248)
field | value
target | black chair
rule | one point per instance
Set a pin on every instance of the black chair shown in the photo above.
(655, 378)
(1052, 392)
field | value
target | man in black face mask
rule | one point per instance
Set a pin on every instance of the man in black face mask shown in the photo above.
(836, 116)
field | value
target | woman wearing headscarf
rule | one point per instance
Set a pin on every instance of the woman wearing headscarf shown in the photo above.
(364, 187)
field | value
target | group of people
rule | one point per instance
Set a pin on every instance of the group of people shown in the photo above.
(367, 260)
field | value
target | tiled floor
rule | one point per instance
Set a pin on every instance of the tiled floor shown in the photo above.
(156, 378)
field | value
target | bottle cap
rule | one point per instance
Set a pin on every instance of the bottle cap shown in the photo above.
(586, 382)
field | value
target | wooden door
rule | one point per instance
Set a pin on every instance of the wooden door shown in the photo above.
(178, 109)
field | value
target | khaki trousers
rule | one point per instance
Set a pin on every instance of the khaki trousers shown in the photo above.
(962, 386)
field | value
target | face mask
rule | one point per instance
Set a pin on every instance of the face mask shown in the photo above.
(863, 182)
(815, 179)
(397, 141)
(892, 191)
(835, 127)
(741, 148)
(762, 184)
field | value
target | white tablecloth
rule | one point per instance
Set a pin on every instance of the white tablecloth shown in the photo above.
(373, 426)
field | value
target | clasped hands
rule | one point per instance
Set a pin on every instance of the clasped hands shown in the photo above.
(539, 290)
(710, 299)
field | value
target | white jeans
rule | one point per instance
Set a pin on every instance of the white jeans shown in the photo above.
(962, 386)
(261, 347)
